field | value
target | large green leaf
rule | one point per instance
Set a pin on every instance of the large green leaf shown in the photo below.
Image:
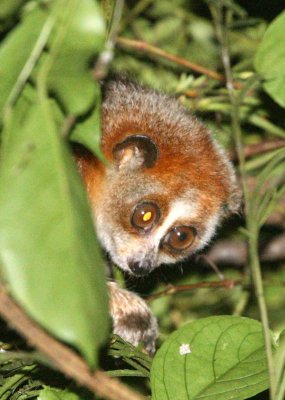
(270, 60)
(8, 8)
(79, 37)
(48, 248)
(212, 358)
(16, 49)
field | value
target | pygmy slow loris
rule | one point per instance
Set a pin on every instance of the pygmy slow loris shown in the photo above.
(164, 190)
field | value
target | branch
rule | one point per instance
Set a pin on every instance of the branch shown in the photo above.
(259, 148)
(62, 357)
(171, 289)
(102, 65)
(144, 47)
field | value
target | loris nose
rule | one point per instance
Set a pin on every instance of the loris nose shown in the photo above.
(139, 269)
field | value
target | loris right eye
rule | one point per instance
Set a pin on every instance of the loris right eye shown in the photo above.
(180, 238)
(145, 216)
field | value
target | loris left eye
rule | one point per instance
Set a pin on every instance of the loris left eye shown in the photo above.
(180, 238)
(145, 216)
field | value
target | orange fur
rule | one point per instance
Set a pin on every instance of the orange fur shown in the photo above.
(188, 159)
(157, 154)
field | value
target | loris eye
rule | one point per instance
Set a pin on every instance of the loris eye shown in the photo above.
(180, 238)
(145, 216)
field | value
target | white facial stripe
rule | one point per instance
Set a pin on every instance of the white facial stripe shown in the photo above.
(183, 210)
(211, 226)
(124, 247)
(180, 209)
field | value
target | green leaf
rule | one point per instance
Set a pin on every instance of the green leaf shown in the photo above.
(88, 132)
(78, 39)
(8, 8)
(260, 200)
(48, 248)
(270, 60)
(280, 366)
(14, 55)
(49, 393)
(225, 360)
(16, 377)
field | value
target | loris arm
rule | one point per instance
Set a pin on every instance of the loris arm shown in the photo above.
(132, 319)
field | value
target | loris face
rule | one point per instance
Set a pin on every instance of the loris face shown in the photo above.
(166, 185)
(144, 224)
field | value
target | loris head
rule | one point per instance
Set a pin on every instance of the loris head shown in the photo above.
(167, 184)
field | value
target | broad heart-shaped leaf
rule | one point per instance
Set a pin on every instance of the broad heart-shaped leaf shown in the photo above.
(78, 38)
(270, 60)
(16, 49)
(215, 358)
(48, 248)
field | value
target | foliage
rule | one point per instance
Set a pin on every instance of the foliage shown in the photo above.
(48, 95)
(215, 357)
(270, 60)
(39, 183)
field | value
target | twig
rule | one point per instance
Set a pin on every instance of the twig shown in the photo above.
(260, 148)
(127, 372)
(67, 125)
(212, 265)
(171, 289)
(30, 64)
(153, 50)
(222, 37)
(101, 66)
(61, 356)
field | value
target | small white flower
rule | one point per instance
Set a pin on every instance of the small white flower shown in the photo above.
(184, 349)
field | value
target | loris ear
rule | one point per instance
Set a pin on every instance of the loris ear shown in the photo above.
(136, 151)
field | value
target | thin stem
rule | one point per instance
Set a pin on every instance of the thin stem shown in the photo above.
(101, 67)
(126, 349)
(261, 148)
(136, 364)
(25, 357)
(223, 39)
(222, 21)
(30, 64)
(14, 381)
(156, 51)
(171, 289)
(281, 391)
(127, 372)
(257, 278)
